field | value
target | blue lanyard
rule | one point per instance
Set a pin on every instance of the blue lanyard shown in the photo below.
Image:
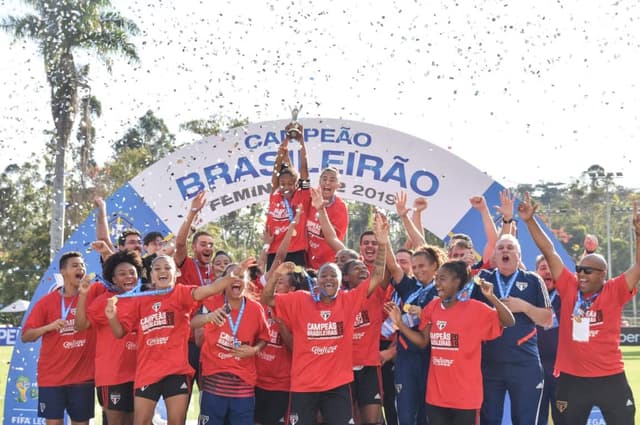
(110, 286)
(287, 205)
(235, 325)
(509, 285)
(420, 293)
(582, 305)
(136, 292)
(462, 295)
(206, 281)
(64, 310)
(553, 297)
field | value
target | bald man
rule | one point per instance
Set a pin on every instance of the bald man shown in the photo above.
(589, 358)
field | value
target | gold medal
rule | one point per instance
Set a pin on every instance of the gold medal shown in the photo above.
(406, 308)
(294, 234)
(578, 319)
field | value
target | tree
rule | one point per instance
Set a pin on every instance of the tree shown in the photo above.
(150, 133)
(23, 230)
(212, 126)
(90, 107)
(60, 27)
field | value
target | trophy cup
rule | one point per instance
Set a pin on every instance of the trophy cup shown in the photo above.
(294, 128)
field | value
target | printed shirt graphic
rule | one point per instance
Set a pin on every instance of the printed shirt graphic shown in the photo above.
(273, 362)
(601, 355)
(319, 251)
(456, 336)
(278, 220)
(66, 355)
(162, 324)
(115, 357)
(366, 329)
(215, 356)
(322, 334)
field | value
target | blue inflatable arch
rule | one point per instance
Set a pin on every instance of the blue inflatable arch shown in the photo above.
(235, 168)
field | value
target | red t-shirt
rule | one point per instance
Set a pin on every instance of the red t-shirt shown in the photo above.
(278, 220)
(319, 251)
(115, 358)
(366, 332)
(601, 355)
(218, 340)
(456, 335)
(273, 362)
(66, 356)
(189, 273)
(323, 337)
(162, 324)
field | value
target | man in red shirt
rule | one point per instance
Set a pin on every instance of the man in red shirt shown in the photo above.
(65, 365)
(589, 358)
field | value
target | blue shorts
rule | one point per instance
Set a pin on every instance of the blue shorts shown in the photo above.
(76, 399)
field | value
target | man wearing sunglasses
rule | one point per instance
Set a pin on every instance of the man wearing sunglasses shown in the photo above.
(589, 358)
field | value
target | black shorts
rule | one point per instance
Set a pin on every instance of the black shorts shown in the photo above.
(119, 397)
(299, 258)
(271, 406)
(334, 404)
(168, 386)
(366, 387)
(576, 396)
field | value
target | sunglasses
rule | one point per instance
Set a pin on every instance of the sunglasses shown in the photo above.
(587, 269)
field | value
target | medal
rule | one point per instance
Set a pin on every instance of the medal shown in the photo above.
(406, 308)
(295, 233)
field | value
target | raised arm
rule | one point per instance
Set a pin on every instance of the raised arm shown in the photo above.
(205, 291)
(304, 164)
(633, 274)
(282, 157)
(527, 210)
(102, 225)
(181, 252)
(268, 293)
(420, 204)
(382, 236)
(328, 231)
(416, 236)
(479, 203)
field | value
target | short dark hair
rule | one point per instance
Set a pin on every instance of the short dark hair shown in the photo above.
(401, 250)
(459, 269)
(66, 256)
(150, 237)
(199, 233)
(131, 257)
(221, 254)
(128, 232)
(366, 233)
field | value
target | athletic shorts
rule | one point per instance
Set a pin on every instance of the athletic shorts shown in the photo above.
(366, 387)
(335, 406)
(271, 406)
(168, 386)
(118, 397)
(76, 399)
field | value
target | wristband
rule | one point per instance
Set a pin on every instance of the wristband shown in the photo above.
(511, 220)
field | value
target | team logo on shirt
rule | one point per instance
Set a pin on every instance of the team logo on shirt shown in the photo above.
(203, 420)
(521, 285)
(441, 324)
(115, 398)
(156, 306)
(362, 319)
(325, 314)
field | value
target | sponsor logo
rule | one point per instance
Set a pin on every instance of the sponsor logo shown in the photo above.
(521, 285)
(74, 344)
(184, 386)
(358, 336)
(157, 341)
(131, 346)
(320, 351)
(629, 402)
(561, 405)
(441, 361)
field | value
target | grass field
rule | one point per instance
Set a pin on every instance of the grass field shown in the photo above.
(631, 360)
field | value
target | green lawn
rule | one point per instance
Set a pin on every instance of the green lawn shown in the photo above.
(631, 357)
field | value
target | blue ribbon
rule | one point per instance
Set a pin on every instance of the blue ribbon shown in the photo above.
(582, 305)
(206, 281)
(234, 325)
(287, 205)
(420, 292)
(64, 310)
(508, 286)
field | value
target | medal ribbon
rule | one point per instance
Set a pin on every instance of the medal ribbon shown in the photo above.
(235, 325)
(64, 310)
(505, 289)
(206, 281)
(584, 304)
(420, 293)
(287, 205)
